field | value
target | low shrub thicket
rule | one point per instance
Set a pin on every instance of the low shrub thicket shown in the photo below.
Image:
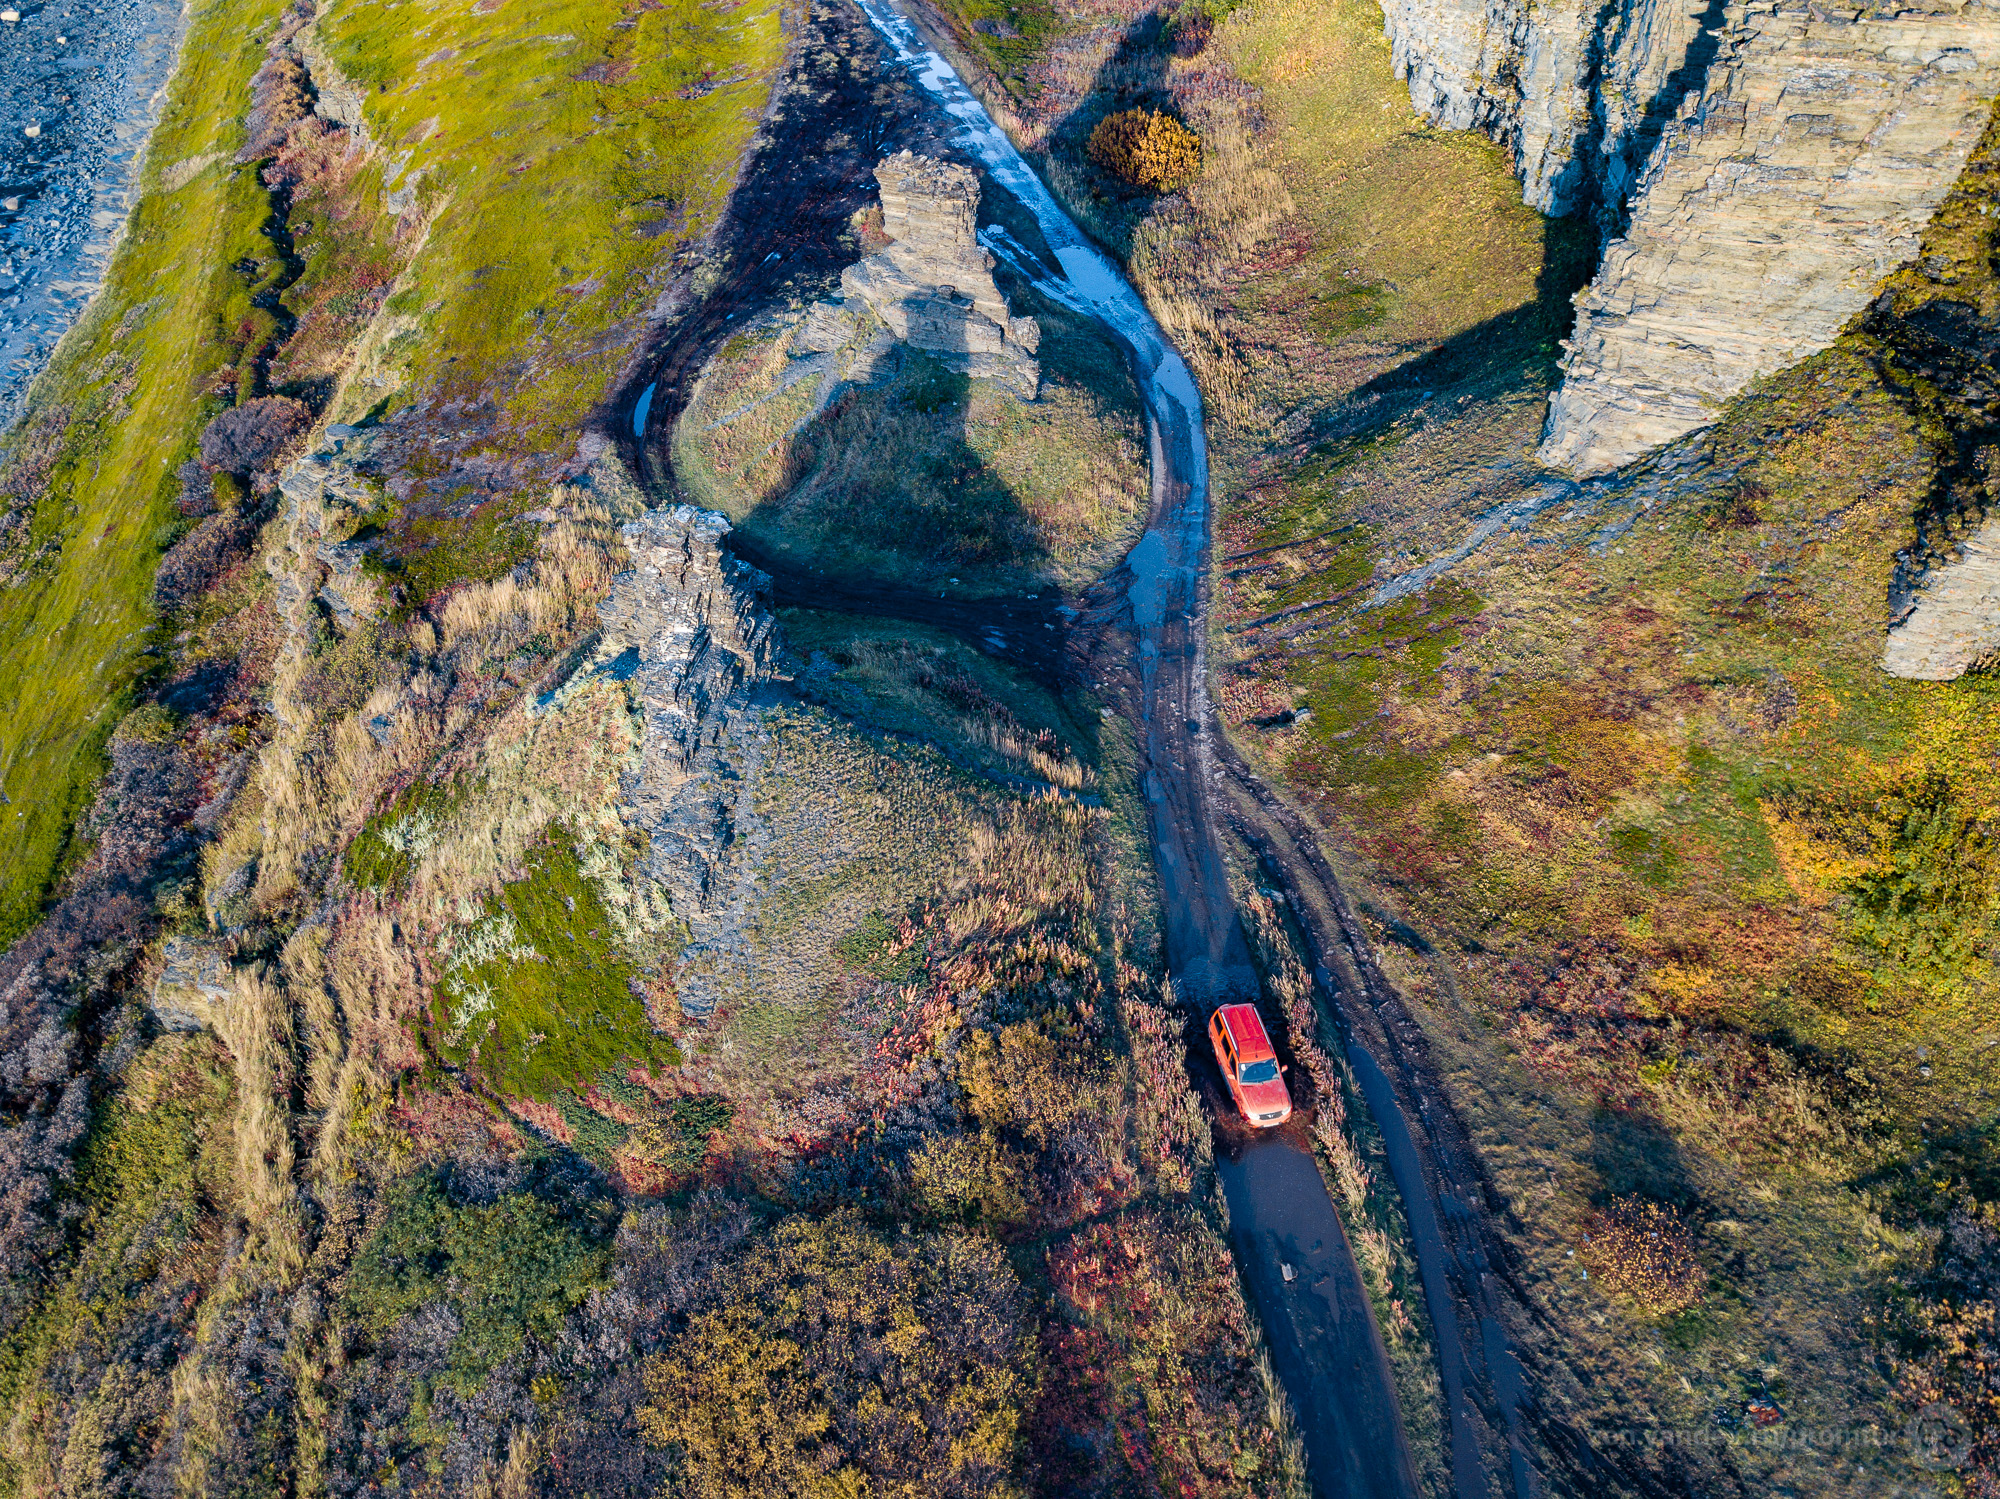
(847, 1361)
(1146, 148)
(507, 1270)
(1644, 1250)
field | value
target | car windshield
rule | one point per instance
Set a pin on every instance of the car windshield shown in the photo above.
(1259, 1072)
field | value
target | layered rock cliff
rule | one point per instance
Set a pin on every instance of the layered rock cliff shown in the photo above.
(933, 284)
(1756, 168)
(1573, 91)
(1767, 214)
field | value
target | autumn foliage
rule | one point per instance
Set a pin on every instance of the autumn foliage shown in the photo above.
(1644, 1250)
(1150, 150)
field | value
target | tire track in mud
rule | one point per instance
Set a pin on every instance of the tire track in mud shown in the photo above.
(1140, 636)
(1467, 1264)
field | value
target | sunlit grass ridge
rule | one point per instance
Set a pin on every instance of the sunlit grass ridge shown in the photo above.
(120, 403)
(563, 152)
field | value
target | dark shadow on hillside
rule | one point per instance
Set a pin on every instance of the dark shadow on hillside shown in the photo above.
(1938, 360)
(883, 485)
(833, 116)
(1515, 350)
(1635, 1154)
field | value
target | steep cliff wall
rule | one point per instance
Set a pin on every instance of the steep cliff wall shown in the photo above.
(1767, 215)
(1755, 168)
(1575, 91)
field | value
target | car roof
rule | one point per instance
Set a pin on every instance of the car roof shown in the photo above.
(1246, 1028)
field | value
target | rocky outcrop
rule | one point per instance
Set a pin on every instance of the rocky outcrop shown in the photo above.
(1767, 215)
(933, 284)
(320, 493)
(1575, 91)
(691, 628)
(1756, 169)
(193, 986)
(1954, 621)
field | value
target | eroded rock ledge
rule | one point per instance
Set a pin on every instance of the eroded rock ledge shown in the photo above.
(691, 627)
(1954, 622)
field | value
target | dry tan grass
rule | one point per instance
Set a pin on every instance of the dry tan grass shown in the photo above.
(204, 1411)
(317, 779)
(255, 1024)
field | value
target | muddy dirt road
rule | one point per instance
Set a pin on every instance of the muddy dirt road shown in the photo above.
(1141, 636)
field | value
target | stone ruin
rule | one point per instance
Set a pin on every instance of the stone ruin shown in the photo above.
(932, 286)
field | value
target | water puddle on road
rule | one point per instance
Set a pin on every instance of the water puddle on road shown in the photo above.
(1326, 1348)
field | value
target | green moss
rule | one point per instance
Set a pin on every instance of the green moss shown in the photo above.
(577, 144)
(1646, 854)
(392, 842)
(510, 1270)
(537, 996)
(434, 551)
(73, 628)
(1007, 35)
(1396, 651)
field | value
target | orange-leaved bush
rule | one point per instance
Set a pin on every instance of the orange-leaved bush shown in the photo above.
(1154, 151)
(1644, 1250)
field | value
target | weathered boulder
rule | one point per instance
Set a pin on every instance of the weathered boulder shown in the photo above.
(933, 284)
(192, 987)
(698, 624)
(349, 593)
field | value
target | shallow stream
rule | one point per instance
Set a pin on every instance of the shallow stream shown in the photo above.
(1297, 1264)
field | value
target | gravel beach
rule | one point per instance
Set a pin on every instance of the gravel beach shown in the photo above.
(79, 87)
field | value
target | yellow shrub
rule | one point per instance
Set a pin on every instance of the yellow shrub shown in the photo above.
(1644, 1250)
(1154, 151)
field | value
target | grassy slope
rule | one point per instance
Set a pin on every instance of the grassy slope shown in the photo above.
(927, 477)
(500, 312)
(561, 152)
(74, 623)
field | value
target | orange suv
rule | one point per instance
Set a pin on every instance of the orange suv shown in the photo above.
(1255, 1075)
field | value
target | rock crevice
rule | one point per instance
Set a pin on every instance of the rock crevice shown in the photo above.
(1756, 167)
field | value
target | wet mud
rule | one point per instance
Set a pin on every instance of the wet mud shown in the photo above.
(1138, 638)
(1325, 1345)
